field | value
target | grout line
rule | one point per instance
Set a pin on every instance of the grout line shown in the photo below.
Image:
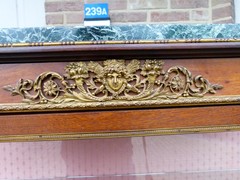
(222, 5)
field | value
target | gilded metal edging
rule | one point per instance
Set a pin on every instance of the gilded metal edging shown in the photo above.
(164, 41)
(155, 132)
(204, 101)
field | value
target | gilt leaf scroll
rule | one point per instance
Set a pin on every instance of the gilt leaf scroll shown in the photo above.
(113, 80)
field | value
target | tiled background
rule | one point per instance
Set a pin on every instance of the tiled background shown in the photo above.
(197, 156)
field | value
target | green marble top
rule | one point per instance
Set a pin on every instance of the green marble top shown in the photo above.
(124, 32)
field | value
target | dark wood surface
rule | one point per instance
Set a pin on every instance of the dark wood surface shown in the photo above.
(117, 121)
(127, 51)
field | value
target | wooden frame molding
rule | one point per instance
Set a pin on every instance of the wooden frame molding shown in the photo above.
(77, 90)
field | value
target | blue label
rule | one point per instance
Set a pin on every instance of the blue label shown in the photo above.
(96, 11)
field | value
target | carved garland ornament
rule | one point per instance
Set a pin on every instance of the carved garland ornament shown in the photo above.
(113, 80)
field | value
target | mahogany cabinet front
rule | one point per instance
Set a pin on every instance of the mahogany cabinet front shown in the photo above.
(117, 89)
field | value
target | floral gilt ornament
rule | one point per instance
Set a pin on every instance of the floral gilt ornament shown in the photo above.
(113, 80)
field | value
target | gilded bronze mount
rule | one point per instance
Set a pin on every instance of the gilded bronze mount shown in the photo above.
(113, 82)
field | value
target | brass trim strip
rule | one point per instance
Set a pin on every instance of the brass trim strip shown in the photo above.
(204, 101)
(154, 132)
(164, 41)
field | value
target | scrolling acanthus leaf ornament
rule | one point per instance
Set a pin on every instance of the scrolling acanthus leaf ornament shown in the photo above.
(113, 80)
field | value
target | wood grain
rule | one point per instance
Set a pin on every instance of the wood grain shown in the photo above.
(105, 51)
(117, 121)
